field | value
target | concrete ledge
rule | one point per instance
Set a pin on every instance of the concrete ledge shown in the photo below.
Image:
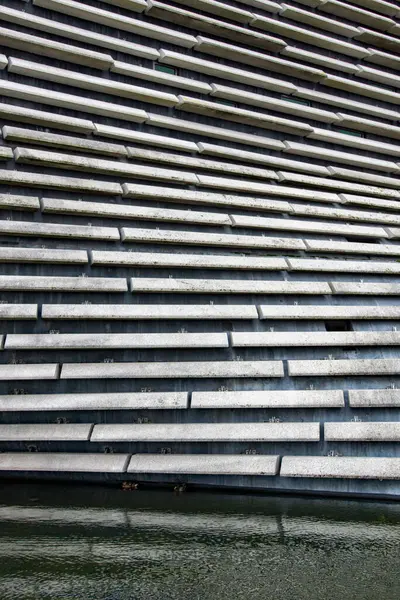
(98, 165)
(306, 226)
(44, 119)
(204, 464)
(367, 125)
(356, 14)
(363, 177)
(221, 133)
(290, 339)
(307, 36)
(369, 201)
(23, 228)
(90, 82)
(41, 255)
(343, 266)
(172, 370)
(209, 198)
(186, 261)
(55, 140)
(155, 156)
(214, 69)
(45, 432)
(341, 157)
(220, 9)
(134, 5)
(383, 58)
(64, 183)
(207, 432)
(342, 185)
(107, 401)
(345, 214)
(333, 312)
(284, 106)
(257, 59)
(145, 138)
(64, 462)
(363, 89)
(365, 289)
(362, 432)
(150, 311)
(70, 32)
(29, 203)
(335, 100)
(354, 367)
(62, 284)
(97, 341)
(387, 42)
(226, 286)
(241, 115)
(320, 59)
(343, 467)
(28, 372)
(161, 78)
(125, 211)
(67, 101)
(269, 399)
(198, 238)
(255, 157)
(317, 21)
(199, 22)
(18, 311)
(343, 139)
(6, 153)
(110, 19)
(49, 48)
(374, 398)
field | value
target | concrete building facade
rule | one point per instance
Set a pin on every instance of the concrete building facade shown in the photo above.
(200, 243)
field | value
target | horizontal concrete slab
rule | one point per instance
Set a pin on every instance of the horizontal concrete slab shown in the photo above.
(343, 467)
(21, 114)
(45, 432)
(100, 165)
(188, 261)
(56, 140)
(52, 49)
(96, 341)
(332, 312)
(106, 401)
(307, 226)
(164, 236)
(126, 211)
(386, 398)
(141, 137)
(362, 432)
(22, 228)
(225, 286)
(29, 203)
(43, 255)
(207, 432)
(310, 338)
(21, 372)
(72, 462)
(67, 184)
(204, 464)
(90, 82)
(354, 367)
(353, 248)
(18, 311)
(172, 370)
(365, 289)
(343, 266)
(269, 399)
(65, 284)
(149, 311)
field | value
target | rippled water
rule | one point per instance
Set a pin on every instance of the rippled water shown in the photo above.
(100, 544)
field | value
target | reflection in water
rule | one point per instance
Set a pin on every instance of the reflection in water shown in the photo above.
(99, 544)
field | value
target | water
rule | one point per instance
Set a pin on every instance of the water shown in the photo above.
(104, 544)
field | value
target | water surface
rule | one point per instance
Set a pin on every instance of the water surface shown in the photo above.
(94, 543)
